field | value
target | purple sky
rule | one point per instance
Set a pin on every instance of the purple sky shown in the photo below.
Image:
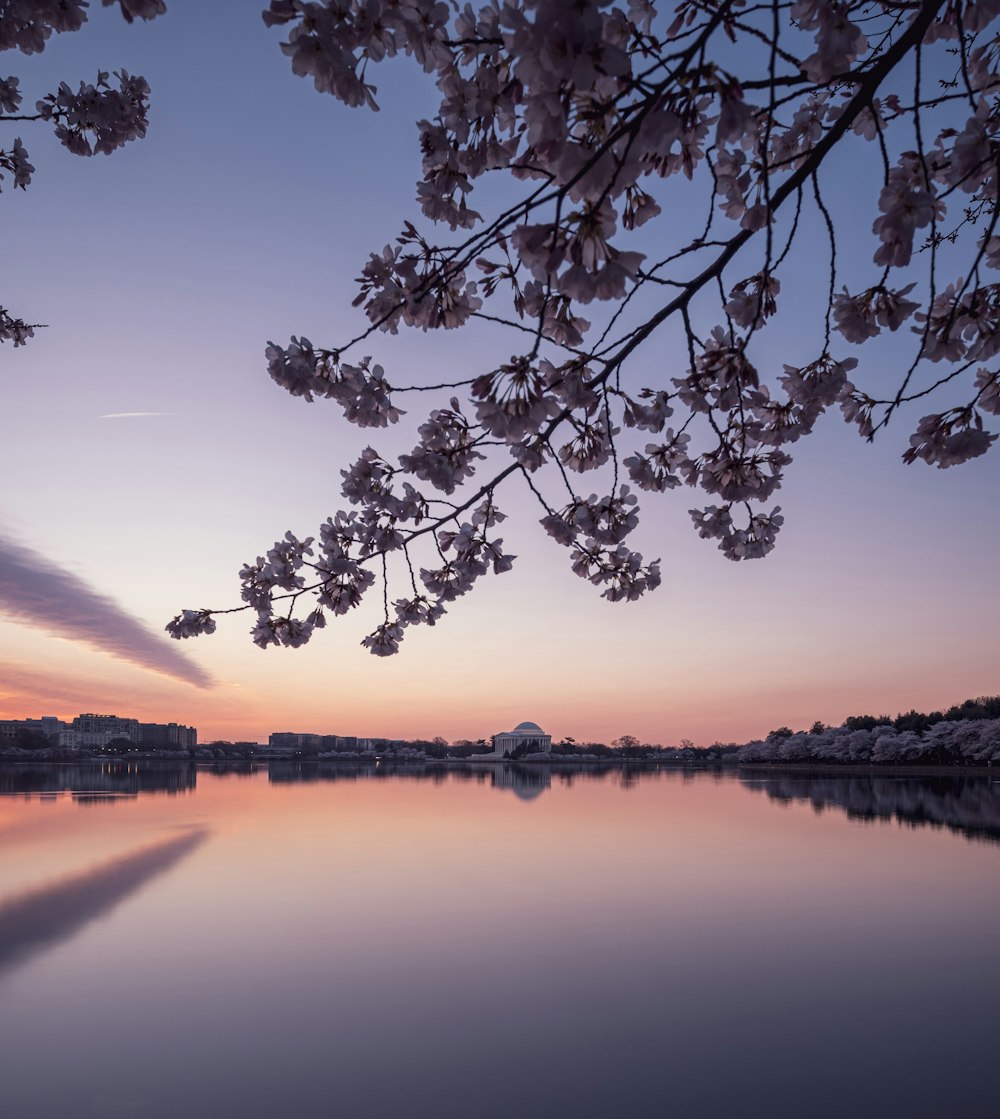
(148, 454)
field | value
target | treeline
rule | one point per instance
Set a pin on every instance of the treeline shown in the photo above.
(960, 742)
(983, 707)
(24, 738)
(627, 747)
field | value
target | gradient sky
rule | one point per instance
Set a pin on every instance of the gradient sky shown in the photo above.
(148, 454)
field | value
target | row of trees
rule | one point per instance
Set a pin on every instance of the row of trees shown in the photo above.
(904, 738)
(24, 738)
(983, 707)
(957, 743)
(948, 742)
(627, 746)
(40, 745)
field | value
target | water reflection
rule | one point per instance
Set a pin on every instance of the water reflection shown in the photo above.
(969, 806)
(104, 781)
(418, 942)
(51, 914)
(525, 781)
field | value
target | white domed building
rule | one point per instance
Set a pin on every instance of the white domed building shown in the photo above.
(530, 736)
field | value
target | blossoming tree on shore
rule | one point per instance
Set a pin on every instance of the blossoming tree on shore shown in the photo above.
(606, 123)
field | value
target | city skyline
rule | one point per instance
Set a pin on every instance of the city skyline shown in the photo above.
(155, 456)
(187, 735)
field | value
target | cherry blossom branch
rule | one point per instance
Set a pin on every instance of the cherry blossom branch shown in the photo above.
(597, 114)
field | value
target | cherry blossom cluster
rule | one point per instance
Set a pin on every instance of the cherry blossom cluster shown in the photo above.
(15, 163)
(26, 25)
(599, 116)
(361, 390)
(14, 330)
(97, 117)
(962, 742)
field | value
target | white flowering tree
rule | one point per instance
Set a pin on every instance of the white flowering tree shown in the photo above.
(952, 742)
(97, 117)
(606, 123)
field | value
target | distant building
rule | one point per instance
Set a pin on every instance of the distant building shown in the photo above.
(167, 736)
(90, 731)
(317, 743)
(342, 744)
(98, 730)
(295, 743)
(48, 725)
(526, 738)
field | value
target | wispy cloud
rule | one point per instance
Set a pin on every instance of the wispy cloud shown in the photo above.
(53, 913)
(133, 415)
(21, 689)
(38, 592)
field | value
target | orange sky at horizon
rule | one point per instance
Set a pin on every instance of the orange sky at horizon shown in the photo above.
(564, 707)
(849, 615)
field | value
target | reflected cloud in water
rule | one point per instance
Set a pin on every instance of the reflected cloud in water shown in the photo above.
(412, 940)
(51, 914)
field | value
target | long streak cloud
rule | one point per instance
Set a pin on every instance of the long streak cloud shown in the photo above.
(36, 591)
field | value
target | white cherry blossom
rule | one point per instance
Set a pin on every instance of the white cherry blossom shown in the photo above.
(95, 118)
(603, 122)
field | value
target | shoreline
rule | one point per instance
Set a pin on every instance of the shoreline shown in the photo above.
(534, 761)
(868, 769)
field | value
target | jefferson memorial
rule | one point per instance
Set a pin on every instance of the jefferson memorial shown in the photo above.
(527, 735)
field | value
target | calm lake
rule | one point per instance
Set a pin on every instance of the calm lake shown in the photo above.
(302, 941)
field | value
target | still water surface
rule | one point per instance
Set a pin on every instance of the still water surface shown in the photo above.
(302, 941)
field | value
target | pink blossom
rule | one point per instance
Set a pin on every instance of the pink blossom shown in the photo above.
(752, 301)
(860, 317)
(988, 391)
(191, 623)
(384, 640)
(513, 401)
(949, 438)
